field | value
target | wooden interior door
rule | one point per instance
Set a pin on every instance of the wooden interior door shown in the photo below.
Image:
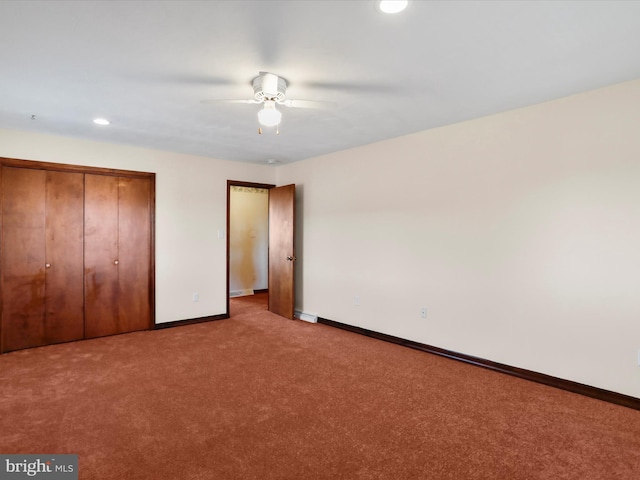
(282, 254)
(134, 251)
(118, 278)
(41, 257)
(76, 251)
(23, 258)
(101, 256)
(64, 288)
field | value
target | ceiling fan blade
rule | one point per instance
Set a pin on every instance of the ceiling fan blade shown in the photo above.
(212, 100)
(306, 104)
(182, 78)
(351, 87)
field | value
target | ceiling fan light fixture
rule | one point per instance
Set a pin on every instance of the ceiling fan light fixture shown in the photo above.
(269, 115)
(392, 6)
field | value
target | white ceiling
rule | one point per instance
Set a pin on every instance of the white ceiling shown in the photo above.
(146, 66)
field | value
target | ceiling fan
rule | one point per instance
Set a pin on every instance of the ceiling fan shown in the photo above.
(270, 90)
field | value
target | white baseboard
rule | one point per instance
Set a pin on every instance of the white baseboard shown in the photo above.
(307, 317)
(240, 293)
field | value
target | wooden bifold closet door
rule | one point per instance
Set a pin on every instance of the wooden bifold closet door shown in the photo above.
(76, 256)
(117, 248)
(42, 281)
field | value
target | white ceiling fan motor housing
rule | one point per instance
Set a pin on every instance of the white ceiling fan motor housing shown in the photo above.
(268, 86)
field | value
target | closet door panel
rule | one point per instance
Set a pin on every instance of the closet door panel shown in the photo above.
(134, 236)
(76, 253)
(64, 287)
(23, 258)
(101, 255)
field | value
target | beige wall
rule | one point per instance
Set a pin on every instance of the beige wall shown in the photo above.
(191, 209)
(520, 233)
(248, 238)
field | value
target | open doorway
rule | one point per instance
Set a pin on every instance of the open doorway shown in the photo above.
(247, 240)
(281, 247)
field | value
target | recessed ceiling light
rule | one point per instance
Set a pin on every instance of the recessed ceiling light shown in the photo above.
(101, 121)
(392, 6)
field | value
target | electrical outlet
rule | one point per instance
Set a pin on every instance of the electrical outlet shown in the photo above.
(423, 312)
(196, 296)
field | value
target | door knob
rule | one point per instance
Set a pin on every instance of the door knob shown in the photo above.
(115, 262)
(47, 265)
(291, 258)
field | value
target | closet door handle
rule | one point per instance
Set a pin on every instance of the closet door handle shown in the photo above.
(115, 262)
(47, 265)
